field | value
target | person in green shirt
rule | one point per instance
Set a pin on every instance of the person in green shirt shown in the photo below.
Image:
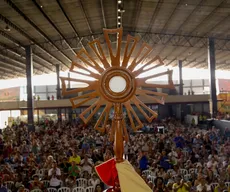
(74, 170)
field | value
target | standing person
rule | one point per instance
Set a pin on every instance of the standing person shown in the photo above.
(143, 161)
(54, 176)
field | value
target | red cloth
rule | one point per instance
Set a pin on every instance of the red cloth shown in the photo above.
(107, 172)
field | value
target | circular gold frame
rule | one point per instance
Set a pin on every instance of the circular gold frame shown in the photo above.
(119, 97)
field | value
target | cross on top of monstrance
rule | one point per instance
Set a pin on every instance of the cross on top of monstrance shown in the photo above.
(116, 83)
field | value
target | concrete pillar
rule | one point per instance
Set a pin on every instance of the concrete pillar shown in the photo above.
(212, 76)
(180, 78)
(58, 91)
(69, 81)
(30, 99)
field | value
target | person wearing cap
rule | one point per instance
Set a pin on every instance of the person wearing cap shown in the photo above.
(54, 176)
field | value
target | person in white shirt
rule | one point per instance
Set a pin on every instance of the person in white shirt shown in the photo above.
(55, 175)
(87, 164)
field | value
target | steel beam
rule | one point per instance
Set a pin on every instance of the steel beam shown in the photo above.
(58, 91)
(8, 22)
(14, 67)
(86, 19)
(103, 13)
(20, 45)
(197, 27)
(71, 24)
(136, 14)
(212, 76)
(155, 13)
(30, 100)
(8, 72)
(13, 59)
(55, 27)
(180, 78)
(12, 51)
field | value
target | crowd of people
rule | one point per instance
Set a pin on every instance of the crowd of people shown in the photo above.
(57, 155)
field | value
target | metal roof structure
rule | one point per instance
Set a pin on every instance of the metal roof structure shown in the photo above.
(57, 29)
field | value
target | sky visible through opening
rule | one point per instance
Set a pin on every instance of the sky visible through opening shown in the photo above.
(51, 79)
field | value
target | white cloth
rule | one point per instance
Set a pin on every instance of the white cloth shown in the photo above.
(54, 181)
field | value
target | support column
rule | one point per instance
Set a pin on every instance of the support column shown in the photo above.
(180, 78)
(69, 80)
(30, 100)
(181, 91)
(58, 91)
(212, 76)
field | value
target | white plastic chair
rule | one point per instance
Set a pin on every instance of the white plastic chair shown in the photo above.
(78, 189)
(214, 185)
(9, 184)
(91, 182)
(51, 190)
(81, 182)
(89, 189)
(170, 171)
(192, 171)
(147, 172)
(183, 171)
(40, 172)
(227, 184)
(46, 183)
(187, 177)
(64, 189)
(36, 190)
(151, 178)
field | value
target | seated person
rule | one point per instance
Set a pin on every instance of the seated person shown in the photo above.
(36, 184)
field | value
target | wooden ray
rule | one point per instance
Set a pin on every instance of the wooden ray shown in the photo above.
(92, 85)
(79, 66)
(84, 98)
(139, 104)
(130, 111)
(145, 47)
(95, 107)
(150, 94)
(115, 59)
(96, 66)
(142, 68)
(105, 113)
(97, 49)
(130, 39)
(141, 82)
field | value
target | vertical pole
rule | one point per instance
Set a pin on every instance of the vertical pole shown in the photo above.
(68, 81)
(181, 92)
(58, 91)
(118, 141)
(212, 76)
(29, 75)
(180, 78)
(38, 115)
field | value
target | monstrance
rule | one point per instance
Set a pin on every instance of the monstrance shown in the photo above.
(117, 83)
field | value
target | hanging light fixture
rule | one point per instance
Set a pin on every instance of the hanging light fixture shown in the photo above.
(7, 28)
